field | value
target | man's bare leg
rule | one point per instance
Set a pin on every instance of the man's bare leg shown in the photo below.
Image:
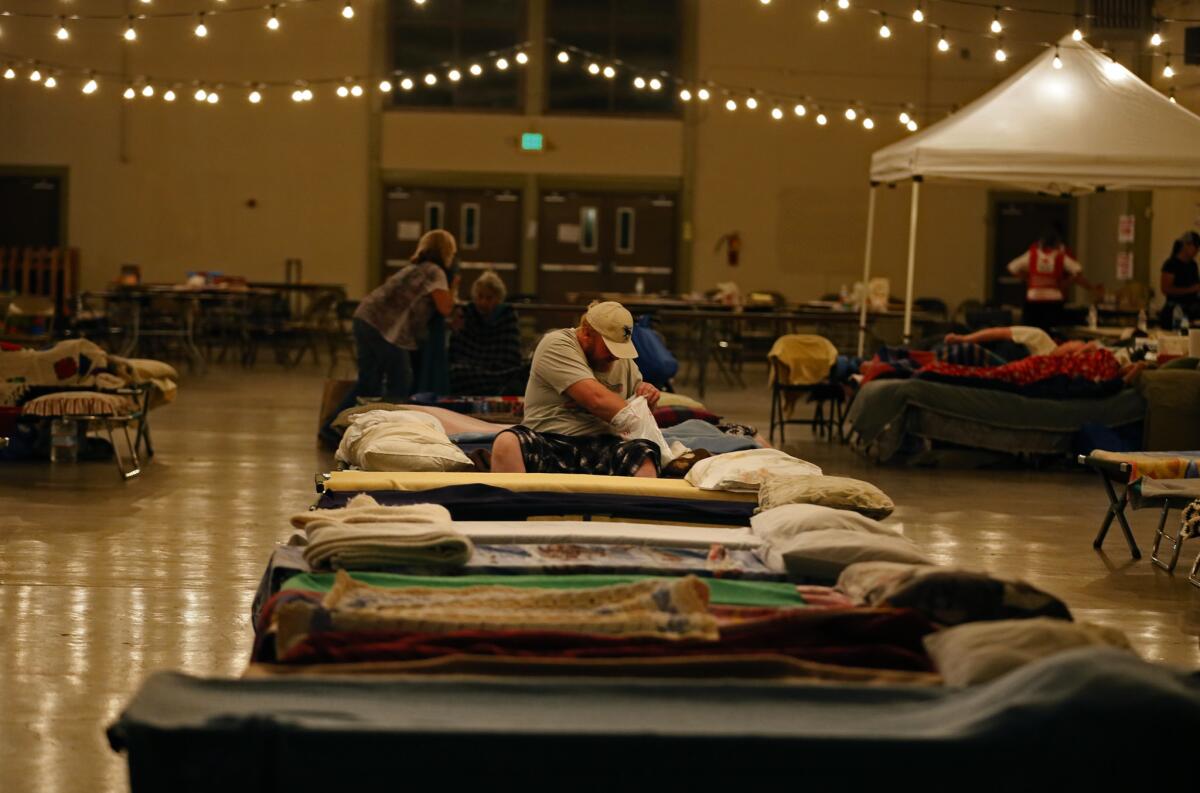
(506, 455)
(647, 469)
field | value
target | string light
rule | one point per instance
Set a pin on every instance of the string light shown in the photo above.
(51, 82)
(148, 90)
(521, 58)
(213, 97)
(685, 95)
(777, 113)
(201, 29)
(35, 75)
(1001, 55)
(91, 86)
(502, 64)
(610, 72)
(1156, 38)
(800, 110)
(851, 114)
(129, 92)
(1171, 96)
(200, 94)
(821, 119)
(10, 73)
(918, 14)
(1077, 33)
(273, 20)
(475, 70)
(904, 117)
(843, 4)
(593, 68)
(751, 103)
(130, 31)
(639, 82)
(62, 34)
(407, 84)
(943, 44)
(996, 26)
(731, 104)
(911, 125)
(868, 123)
(169, 96)
(655, 84)
(254, 96)
(822, 13)
(385, 86)
(884, 31)
(1168, 72)
(356, 90)
(454, 75)
(564, 56)
(343, 91)
(1057, 62)
(703, 94)
(348, 10)
(431, 79)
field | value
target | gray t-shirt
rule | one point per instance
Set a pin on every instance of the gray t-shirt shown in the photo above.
(558, 364)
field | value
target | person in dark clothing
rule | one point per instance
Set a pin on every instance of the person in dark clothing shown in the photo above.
(1180, 279)
(485, 349)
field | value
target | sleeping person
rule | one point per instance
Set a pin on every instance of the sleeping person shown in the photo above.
(581, 378)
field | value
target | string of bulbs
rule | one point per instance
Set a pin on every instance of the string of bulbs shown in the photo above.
(1014, 10)
(995, 30)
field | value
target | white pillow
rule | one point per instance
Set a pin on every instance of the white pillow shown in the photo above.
(744, 471)
(981, 651)
(382, 440)
(787, 521)
(831, 491)
(822, 555)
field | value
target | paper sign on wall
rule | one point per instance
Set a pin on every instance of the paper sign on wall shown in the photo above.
(1125, 266)
(568, 233)
(1125, 226)
(408, 230)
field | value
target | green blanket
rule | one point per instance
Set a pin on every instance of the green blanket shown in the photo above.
(722, 592)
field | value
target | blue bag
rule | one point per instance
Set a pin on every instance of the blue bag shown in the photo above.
(655, 361)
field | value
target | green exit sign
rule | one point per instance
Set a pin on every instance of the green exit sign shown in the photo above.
(531, 141)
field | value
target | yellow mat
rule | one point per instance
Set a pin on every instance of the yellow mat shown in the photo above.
(355, 481)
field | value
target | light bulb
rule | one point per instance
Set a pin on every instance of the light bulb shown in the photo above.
(431, 79)
(685, 95)
(130, 31)
(273, 20)
(406, 84)
(943, 42)
(765, 2)
(356, 90)
(996, 26)
(843, 4)
(255, 97)
(564, 56)
(884, 31)
(297, 95)
(593, 68)
(51, 82)
(1171, 96)
(918, 14)
(348, 10)
(521, 58)
(851, 114)
(1057, 62)
(454, 75)
(821, 119)
(868, 123)
(1001, 55)
(419, 2)
(751, 103)
(1156, 40)
(201, 29)
(703, 94)
(800, 110)
(10, 73)
(200, 95)
(385, 86)
(169, 96)
(147, 90)
(1114, 70)
(776, 113)
(1168, 72)
(308, 94)
(655, 84)
(35, 76)
(213, 98)
(610, 72)
(146, 2)
(822, 14)
(639, 82)
(1077, 35)
(62, 34)
(343, 91)
(91, 86)
(475, 70)
(502, 64)
(904, 117)
(912, 125)
(731, 104)
(129, 92)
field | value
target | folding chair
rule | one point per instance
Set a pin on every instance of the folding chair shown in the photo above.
(820, 394)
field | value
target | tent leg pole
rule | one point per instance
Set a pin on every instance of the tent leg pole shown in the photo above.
(912, 259)
(866, 279)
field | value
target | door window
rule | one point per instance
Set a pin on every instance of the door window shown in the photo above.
(468, 236)
(434, 215)
(589, 219)
(626, 217)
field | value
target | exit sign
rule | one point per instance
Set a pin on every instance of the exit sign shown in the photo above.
(531, 141)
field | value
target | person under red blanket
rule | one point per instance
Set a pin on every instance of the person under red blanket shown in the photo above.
(1073, 359)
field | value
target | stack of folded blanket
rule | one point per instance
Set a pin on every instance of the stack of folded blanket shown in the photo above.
(365, 536)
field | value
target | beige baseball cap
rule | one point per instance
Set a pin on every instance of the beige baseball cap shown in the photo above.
(615, 324)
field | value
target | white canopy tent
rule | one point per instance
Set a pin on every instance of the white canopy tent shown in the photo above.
(1089, 125)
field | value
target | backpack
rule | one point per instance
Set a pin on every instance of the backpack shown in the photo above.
(655, 361)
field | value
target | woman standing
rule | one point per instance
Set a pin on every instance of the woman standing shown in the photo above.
(392, 321)
(1180, 280)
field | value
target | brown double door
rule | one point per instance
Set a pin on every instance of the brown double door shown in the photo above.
(591, 243)
(486, 222)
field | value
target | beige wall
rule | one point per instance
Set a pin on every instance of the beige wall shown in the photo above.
(797, 194)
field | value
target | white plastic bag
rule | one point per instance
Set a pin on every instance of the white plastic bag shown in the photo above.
(635, 421)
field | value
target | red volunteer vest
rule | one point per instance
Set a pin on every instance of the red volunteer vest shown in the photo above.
(1045, 268)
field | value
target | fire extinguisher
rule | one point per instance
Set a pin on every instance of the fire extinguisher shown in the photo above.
(732, 242)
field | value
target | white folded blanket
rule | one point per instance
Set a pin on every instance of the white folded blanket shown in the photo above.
(364, 509)
(355, 547)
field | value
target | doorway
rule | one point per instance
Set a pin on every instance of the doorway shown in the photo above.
(1018, 221)
(31, 210)
(486, 222)
(591, 243)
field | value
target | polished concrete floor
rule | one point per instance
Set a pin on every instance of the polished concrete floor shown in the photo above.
(103, 582)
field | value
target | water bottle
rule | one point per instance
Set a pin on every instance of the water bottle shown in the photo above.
(64, 441)
(640, 286)
(1093, 318)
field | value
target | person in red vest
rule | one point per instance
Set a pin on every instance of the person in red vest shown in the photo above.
(1048, 271)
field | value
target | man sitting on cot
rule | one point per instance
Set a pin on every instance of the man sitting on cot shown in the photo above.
(579, 380)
